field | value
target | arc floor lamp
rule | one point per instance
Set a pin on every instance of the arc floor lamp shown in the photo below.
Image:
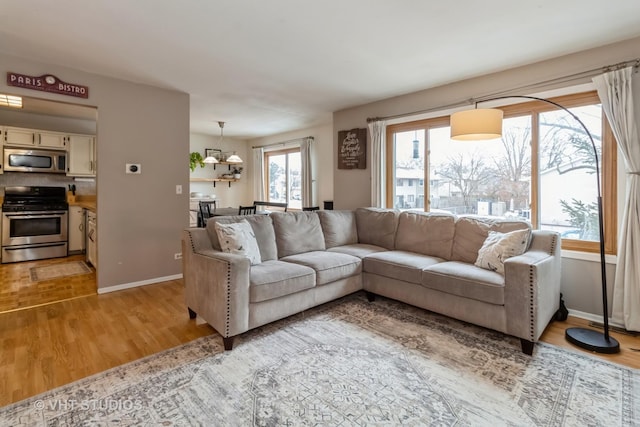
(483, 124)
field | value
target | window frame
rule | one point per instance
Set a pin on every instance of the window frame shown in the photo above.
(609, 167)
(279, 152)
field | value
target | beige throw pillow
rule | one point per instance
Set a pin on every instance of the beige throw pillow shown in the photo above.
(239, 238)
(499, 246)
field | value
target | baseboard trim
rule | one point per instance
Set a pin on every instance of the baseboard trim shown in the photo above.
(137, 284)
(592, 317)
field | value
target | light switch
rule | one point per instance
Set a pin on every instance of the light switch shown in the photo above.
(178, 189)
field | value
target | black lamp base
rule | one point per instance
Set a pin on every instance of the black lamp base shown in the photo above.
(592, 340)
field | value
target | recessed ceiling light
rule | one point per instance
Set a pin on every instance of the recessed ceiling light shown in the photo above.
(10, 101)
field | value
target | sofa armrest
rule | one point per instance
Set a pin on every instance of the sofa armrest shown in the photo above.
(198, 239)
(216, 284)
(532, 286)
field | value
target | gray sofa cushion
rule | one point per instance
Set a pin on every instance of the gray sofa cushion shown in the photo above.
(426, 233)
(360, 250)
(465, 280)
(471, 232)
(329, 266)
(399, 265)
(262, 226)
(297, 232)
(338, 227)
(274, 279)
(377, 226)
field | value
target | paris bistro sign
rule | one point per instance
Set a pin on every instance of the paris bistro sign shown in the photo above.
(47, 83)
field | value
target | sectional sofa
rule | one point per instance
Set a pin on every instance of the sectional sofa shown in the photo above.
(303, 259)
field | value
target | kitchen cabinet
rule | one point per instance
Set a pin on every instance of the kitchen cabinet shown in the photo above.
(77, 233)
(193, 212)
(19, 136)
(82, 155)
(35, 138)
(51, 140)
(92, 238)
(1, 152)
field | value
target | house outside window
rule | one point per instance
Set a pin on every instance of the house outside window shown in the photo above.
(283, 170)
(541, 170)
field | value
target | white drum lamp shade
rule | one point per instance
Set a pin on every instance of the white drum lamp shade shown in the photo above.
(475, 125)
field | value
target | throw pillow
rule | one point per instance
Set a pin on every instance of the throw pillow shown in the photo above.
(500, 246)
(239, 238)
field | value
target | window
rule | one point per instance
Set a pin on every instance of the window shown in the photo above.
(283, 177)
(541, 170)
(408, 154)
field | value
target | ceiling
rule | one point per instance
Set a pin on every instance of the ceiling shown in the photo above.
(267, 67)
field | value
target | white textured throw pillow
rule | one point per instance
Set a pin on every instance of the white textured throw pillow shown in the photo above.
(499, 246)
(239, 238)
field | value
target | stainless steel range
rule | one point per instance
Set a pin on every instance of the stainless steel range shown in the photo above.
(34, 223)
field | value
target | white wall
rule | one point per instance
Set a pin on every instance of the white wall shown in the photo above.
(323, 155)
(580, 277)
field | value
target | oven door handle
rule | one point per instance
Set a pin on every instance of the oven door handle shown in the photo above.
(54, 214)
(22, 247)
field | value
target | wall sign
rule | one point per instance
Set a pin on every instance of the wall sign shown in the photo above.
(352, 149)
(47, 83)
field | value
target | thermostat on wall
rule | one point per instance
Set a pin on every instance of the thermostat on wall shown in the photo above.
(135, 168)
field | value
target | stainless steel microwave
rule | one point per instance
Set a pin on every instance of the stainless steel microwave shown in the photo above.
(25, 160)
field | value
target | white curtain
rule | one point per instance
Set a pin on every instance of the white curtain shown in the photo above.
(258, 173)
(377, 131)
(307, 175)
(616, 94)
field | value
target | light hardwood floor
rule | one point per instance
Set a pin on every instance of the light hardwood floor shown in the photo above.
(18, 291)
(51, 345)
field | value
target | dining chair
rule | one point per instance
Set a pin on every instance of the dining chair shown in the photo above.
(204, 208)
(277, 205)
(311, 208)
(247, 210)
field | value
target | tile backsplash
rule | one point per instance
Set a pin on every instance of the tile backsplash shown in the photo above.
(9, 179)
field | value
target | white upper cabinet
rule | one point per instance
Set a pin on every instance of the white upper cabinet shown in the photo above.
(81, 149)
(2, 130)
(82, 155)
(19, 136)
(35, 138)
(51, 140)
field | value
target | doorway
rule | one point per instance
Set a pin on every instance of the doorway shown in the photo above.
(20, 285)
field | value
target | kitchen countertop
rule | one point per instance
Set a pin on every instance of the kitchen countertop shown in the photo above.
(86, 202)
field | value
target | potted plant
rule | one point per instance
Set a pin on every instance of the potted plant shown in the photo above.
(237, 172)
(195, 159)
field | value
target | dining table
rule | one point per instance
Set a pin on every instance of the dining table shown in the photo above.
(230, 211)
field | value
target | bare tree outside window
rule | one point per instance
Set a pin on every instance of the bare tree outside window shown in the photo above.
(469, 173)
(543, 175)
(568, 185)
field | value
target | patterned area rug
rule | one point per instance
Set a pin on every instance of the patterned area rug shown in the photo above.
(56, 271)
(349, 363)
